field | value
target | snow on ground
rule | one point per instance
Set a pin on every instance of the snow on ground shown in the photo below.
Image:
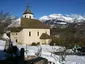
(2, 44)
(45, 51)
(52, 48)
(73, 59)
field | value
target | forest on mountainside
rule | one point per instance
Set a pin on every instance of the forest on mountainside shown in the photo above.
(70, 36)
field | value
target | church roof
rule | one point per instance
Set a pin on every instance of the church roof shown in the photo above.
(45, 36)
(15, 29)
(27, 11)
(33, 23)
(27, 23)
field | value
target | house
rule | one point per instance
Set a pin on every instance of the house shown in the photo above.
(27, 30)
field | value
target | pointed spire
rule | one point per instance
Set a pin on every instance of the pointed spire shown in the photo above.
(28, 11)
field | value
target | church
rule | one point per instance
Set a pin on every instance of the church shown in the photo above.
(28, 30)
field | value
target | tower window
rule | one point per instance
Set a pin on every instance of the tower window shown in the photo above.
(29, 17)
(37, 33)
(29, 33)
(25, 16)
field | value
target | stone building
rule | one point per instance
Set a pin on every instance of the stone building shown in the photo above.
(27, 30)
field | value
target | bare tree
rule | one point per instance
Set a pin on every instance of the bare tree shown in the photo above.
(5, 20)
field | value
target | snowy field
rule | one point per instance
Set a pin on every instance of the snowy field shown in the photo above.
(45, 51)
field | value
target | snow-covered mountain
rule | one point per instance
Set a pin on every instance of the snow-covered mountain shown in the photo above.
(15, 23)
(59, 20)
(67, 18)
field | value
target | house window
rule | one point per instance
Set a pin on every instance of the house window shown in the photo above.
(29, 17)
(29, 33)
(25, 16)
(16, 40)
(37, 33)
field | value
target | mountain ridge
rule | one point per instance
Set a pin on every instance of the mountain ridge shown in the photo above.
(67, 18)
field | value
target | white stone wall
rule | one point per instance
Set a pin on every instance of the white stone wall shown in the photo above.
(28, 16)
(45, 41)
(24, 38)
(14, 36)
(20, 37)
(34, 37)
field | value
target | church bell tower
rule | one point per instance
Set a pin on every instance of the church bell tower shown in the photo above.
(28, 14)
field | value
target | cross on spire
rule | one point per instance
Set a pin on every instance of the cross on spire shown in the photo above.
(28, 10)
(28, 6)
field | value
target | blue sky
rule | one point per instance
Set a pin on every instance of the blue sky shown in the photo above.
(43, 7)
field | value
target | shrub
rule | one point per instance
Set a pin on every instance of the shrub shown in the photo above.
(38, 43)
(34, 44)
